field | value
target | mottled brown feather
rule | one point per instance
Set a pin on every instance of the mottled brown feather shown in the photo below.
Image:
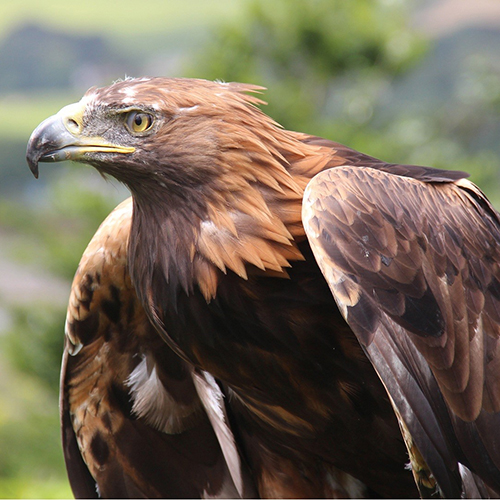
(448, 251)
(128, 449)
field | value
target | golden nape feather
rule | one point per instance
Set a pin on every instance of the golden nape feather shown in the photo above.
(274, 314)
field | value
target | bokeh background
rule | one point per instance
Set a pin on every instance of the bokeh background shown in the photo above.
(407, 81)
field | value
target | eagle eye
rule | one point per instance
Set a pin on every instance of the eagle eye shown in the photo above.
(138, 122)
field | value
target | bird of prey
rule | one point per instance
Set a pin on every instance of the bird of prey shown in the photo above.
(326, 316)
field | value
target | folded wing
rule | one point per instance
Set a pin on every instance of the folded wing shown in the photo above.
(414, 266)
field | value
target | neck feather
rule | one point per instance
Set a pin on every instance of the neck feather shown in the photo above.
(245, 220)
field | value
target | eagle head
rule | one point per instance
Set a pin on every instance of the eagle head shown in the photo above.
(206, 169)
(170, 132)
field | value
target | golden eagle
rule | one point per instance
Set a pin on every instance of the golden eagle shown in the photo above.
(320, 309)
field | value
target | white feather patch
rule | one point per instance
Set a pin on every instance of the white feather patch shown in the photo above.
(153, 403)
(128, 91)
(74, 346)
(213, 401)
(188, 110)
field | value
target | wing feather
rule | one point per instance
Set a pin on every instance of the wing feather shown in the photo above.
(414, 266)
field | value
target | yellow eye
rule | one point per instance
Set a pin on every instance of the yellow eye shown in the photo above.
(138, 122)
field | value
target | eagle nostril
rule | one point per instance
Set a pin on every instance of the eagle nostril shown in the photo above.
(73, 126)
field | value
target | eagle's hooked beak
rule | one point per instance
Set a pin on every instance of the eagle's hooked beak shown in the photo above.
(60, 138)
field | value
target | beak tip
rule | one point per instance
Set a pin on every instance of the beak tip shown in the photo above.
(32, 160)
(44, 139)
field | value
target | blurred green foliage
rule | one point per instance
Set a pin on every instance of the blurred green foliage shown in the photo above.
(31, 461)
(54, 236)
(317, 58)
(61, 229)
(329, 66)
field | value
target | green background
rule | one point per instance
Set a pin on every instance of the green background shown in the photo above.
(412, 82)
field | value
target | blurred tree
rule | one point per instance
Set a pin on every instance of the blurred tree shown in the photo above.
(36, 58)
(331, 68)
(325, 62)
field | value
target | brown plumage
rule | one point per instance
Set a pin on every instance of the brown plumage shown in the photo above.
(220, 261)
(130, 407)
